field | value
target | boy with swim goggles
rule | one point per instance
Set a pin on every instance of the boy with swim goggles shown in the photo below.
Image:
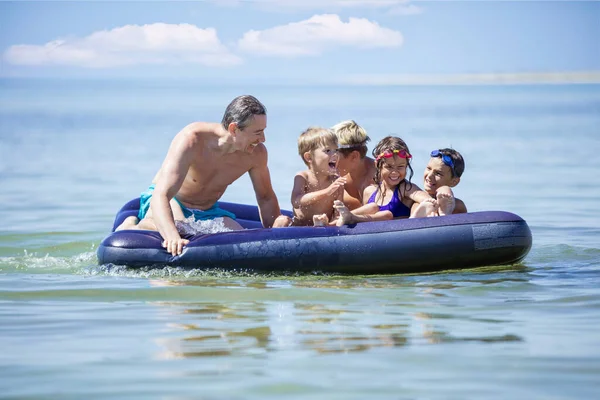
(443, 172)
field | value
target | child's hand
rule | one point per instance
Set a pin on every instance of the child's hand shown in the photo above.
(334, 189)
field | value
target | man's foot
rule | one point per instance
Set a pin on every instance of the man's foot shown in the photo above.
(427, 208)
(320, 220)
(128, 223)
(446, 201)
(346, 216)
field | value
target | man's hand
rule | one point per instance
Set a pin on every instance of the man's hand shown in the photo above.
(175, 246)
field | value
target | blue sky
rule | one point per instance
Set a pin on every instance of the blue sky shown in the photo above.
(297, 40)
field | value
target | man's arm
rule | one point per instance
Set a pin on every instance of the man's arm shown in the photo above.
(173, 173)
(268, 205)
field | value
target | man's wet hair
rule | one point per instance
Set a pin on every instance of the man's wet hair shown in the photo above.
(241, 110)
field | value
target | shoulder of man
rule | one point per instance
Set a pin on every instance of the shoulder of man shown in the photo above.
(258, 156)
(200, 128)
(196, 132)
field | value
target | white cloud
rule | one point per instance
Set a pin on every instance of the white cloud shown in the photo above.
(338, 3)
(400, 7)
(129, 45)
(317, 34)
(405, 9)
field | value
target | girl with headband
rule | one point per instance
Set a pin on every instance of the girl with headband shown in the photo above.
(391, 195)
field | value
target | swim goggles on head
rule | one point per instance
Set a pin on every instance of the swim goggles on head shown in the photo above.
(446, 159)
(392, 153)
(351, 146)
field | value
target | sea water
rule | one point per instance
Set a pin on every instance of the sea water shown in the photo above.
(72, 152)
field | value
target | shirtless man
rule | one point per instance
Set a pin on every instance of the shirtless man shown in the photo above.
(203, 159)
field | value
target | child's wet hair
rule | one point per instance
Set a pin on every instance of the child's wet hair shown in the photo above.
(351, 137)
(457, 159)
(390, 143)
(315, 137)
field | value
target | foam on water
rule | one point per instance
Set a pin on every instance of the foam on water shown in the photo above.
(190, 226)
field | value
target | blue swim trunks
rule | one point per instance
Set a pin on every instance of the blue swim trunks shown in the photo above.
(199, 215)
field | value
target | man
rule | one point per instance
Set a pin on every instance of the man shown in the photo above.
(203, 159)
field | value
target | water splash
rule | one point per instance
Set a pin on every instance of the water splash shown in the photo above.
(34, 263)
(190, 226)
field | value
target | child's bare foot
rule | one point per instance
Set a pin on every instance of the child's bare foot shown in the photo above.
(446, 201)
(129, 223)
(346, 216)
(427, 208)
(320, 220)
(282, 221)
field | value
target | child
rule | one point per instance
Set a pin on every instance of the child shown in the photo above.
(316, 188)
(392, 196)
(353, 164)
(443, 172)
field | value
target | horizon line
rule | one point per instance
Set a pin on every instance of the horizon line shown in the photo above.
(487, 78)
(516, 78)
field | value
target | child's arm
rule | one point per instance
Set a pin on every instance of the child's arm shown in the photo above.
(416, 194)
(369, 190)
(368, 211)
(299, 190)
(336, 215)
(301, 198)
(460, 207)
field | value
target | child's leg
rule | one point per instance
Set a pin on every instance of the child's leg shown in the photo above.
(283, 221)
(320, 220)
(446, 201)
(346, 216)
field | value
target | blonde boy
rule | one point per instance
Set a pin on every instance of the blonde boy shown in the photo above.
(316, 188)
(353, 163)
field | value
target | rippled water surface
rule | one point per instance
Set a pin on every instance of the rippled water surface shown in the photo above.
(72, 152)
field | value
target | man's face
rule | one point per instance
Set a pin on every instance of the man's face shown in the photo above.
(253, 134)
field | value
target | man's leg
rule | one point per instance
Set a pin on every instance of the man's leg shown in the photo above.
(232, 224)
(147, 223)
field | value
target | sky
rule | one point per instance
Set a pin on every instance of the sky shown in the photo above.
(345, 41)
